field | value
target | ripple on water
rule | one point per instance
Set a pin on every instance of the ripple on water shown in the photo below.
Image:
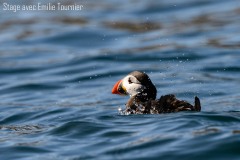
(57, 71)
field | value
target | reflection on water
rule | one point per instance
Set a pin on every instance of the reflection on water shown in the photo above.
(57, 69)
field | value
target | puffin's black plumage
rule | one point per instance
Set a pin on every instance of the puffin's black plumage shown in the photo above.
(165, 104)
(144, 100)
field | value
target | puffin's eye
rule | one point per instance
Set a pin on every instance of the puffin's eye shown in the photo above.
(129, 81)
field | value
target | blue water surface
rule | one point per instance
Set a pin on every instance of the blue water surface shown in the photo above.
(57, 69)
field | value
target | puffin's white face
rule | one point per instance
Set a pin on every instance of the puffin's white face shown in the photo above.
(129, 85)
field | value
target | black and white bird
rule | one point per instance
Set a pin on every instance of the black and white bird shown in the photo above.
(143, 94)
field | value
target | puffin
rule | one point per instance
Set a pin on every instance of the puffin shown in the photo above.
(142, 92)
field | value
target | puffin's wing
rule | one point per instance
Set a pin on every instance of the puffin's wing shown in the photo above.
(169, 103)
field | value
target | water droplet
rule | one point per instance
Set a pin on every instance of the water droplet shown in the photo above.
(120, 109)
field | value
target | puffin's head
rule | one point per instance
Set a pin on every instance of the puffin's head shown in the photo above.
(135, 83)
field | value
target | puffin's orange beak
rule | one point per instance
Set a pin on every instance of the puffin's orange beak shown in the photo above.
(118, 88)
